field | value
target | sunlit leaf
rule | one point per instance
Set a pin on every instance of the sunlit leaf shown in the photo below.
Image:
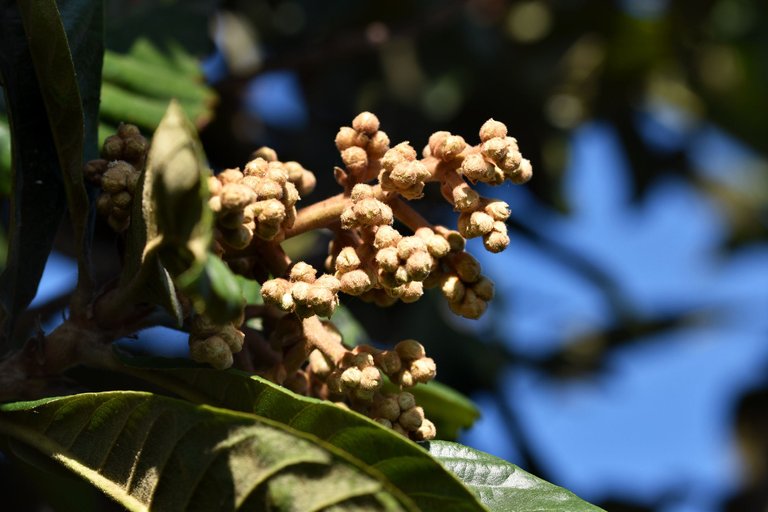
(504, 487)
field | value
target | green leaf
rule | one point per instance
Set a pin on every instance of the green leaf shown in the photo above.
(502, 486)
(406, 465)
(38, 200)
(60, 80)
(152, 452)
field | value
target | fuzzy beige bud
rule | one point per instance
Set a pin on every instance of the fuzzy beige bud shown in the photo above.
(523, 173)
(423, 370)
(347, 260)
(476, 168)
(453, 289)
(278, 293)
(319, 364)
(302, 271)
(464, 198)
(388, 408)
(406, 400)
(425, 432)
(386, 236)
(379, 144)
(355, 158)
(366, 122)
(419, 265)
(350, 378)
(491, 129)
(355, 282)
(370, 378)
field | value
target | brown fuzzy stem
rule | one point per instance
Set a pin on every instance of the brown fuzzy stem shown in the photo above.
(319, 338)
(318, 215)
(407, 215)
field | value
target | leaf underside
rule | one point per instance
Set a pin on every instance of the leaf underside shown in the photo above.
(148, 451)
(406, 465)
(502, 486)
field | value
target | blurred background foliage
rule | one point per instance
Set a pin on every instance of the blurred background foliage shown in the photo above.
(625, 356)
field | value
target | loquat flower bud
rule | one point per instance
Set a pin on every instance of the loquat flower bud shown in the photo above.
(497, 240)
(425, 432)
(476, 168)
(355, 158)
(348, 137)
(419, 265)
(350, 378)
(495, 149)
(112, 149)
(412, 418)
(115, 178)
(405, 379)
(230, 176)
(497, 209)
(389, 361)
(386, 236)
(464, 198)
(523, 173)
(266, 153)
(383, 422)
(213, 351)
(302, 271)
(355, 282)
(361, 191)
(233, 337)
(409, 245)
(388, 408)
(278, 293)
(491, 129)
(235, 196)
(423, 370)
(347, 260)
(467, 267)
(449, 148)
(406, 400)
(411, 291)
(366, 122)
(410, 349)
(484, 289)
(93, 169)
(370, 378)
(379, 144)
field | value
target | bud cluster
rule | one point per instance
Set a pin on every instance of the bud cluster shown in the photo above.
(212, 343)
(464, 287)
(259, 201)
(402, 172)
(361, 145)
(357, 380)
(365, 210)
(400, 413)
(303, 293)
(118, 173)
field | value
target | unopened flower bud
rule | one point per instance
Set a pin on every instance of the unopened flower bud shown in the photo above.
(467, 267)
(235, 196)
(499, 210)
(406, 400)
(355, 282)
(411, 291)
(410, 349)
(423, 370)
(388, 408)
(412, 418)
(523, 173)
(389, 362)
(350, 378)
(491, 129)
(464, 198)
(355, 159)
(379, 144)
(495, 149)
(496, 241)
(425, 432)
(265, 152)
(347, 260)
(230, 176)
(484, 289)
(386, 236)
(370, 378)
(452, 288)
(213, 351)
(366, 122)
(302, 271)
(476, 168)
